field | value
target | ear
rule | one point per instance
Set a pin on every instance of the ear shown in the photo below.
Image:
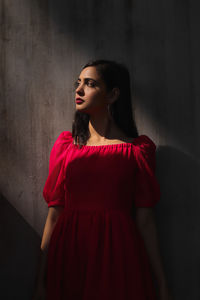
(114, 94)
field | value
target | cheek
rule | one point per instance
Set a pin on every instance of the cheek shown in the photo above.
(96, 96)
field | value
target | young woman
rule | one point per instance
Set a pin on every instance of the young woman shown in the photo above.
(100, 239)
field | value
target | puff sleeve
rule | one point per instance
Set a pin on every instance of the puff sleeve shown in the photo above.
(146, 186)
(54, 191)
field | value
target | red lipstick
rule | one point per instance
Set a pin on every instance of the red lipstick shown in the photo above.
(79, 100)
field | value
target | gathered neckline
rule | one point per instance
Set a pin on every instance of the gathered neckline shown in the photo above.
(106, 145)
(132, 143)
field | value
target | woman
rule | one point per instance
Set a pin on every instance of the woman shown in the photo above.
(100, 239)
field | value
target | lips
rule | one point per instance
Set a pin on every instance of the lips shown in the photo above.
(79, 100)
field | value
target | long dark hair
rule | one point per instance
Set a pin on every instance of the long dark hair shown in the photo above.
(114, 75)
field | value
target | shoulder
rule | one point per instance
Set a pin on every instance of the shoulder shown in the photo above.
(64, 138)
(145, 151)
(144, 143)
(59, 149)
(62, 142)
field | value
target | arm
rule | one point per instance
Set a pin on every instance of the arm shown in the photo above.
(52, 217)
(53, 214)
(145, 222)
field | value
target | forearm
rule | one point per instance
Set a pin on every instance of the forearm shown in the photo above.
(43, 252)
(48, 229)
(150, 237)
(51, 221)
(41, 268)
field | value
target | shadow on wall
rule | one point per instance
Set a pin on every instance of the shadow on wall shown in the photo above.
(178, 218)
(92, 27)
(18, 254)
(74, 18)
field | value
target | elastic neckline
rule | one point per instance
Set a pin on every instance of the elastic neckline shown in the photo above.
(106, 146)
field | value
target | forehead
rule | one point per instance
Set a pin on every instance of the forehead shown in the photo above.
(90, 72)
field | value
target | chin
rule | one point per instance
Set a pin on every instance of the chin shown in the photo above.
(83, 110)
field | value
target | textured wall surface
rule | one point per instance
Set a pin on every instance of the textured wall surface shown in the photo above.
(44, 43)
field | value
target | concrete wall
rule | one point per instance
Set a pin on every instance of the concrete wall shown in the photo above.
(43, 45)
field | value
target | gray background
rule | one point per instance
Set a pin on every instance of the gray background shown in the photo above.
(44, 43)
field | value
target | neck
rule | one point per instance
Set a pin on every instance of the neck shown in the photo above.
(100, 126)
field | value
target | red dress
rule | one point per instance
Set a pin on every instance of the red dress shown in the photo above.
(96, 251)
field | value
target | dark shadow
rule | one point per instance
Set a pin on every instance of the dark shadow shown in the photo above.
(177, 215)
(18, 254)
(92, 27)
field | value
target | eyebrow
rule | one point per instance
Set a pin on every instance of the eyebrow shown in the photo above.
(87, 78)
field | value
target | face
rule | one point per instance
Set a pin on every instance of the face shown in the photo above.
(92, 90)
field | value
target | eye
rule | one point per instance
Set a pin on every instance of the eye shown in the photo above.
(91, 83)
(88, 82)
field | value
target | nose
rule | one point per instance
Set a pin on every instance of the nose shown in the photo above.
(80, 89)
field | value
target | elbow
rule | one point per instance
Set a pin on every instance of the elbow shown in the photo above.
(54, 213)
